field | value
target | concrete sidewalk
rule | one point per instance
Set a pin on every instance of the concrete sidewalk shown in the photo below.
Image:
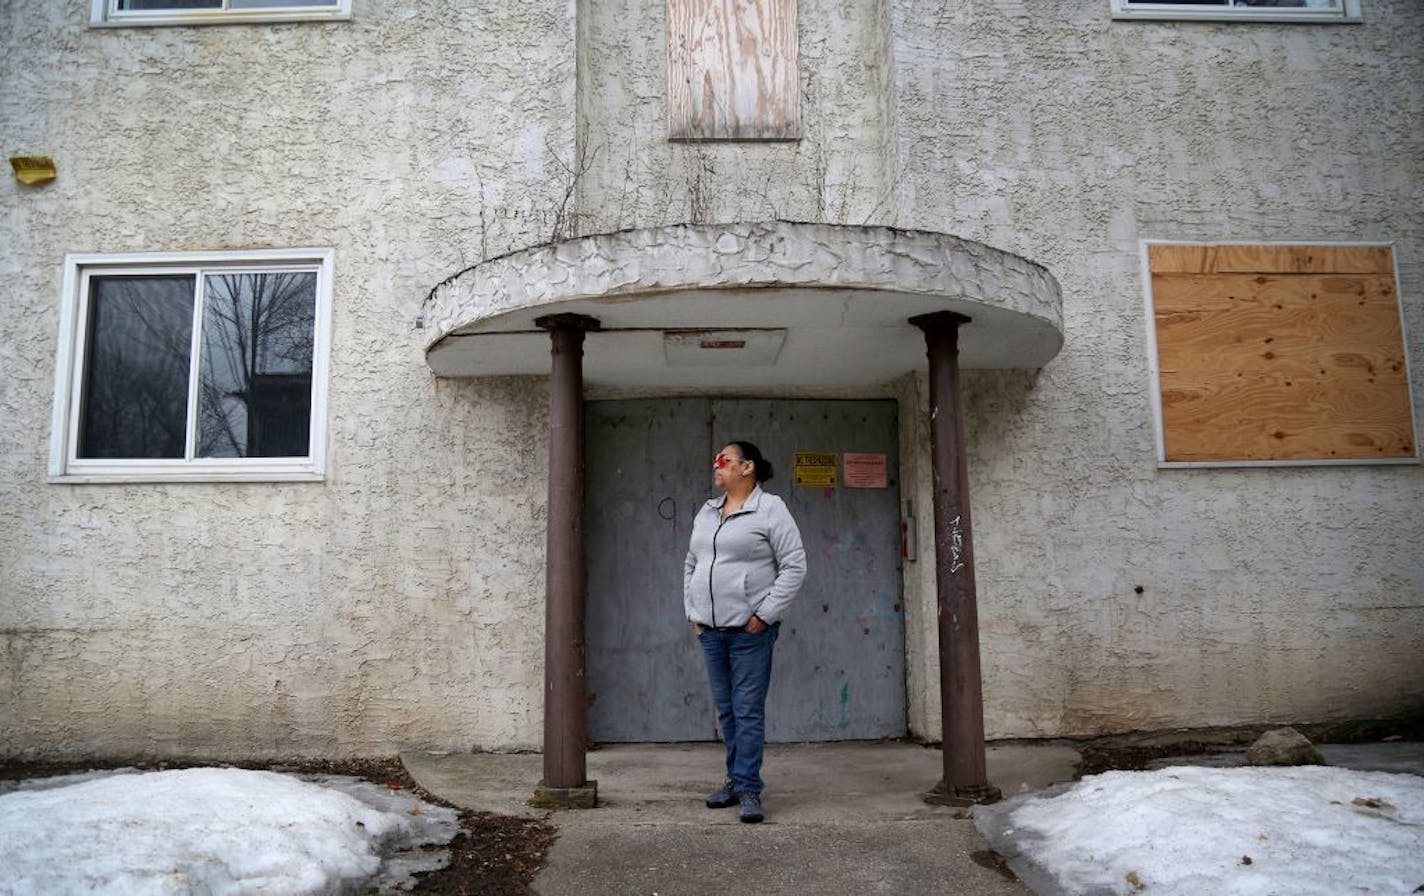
(841, 818)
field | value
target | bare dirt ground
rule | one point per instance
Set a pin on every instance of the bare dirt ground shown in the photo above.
(1133, 752)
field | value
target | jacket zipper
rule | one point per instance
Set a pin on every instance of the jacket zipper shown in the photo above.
(711, 567)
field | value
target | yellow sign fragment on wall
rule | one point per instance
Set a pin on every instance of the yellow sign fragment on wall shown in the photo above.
(816, 469)
(33, 169)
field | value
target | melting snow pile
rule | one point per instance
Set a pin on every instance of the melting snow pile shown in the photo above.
(1189, 831)
(206, 830)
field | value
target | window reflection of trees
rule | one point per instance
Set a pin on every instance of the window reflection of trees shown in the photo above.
(255, 365)
(254, 395)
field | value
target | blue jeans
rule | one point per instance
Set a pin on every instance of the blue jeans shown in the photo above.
(739, 669)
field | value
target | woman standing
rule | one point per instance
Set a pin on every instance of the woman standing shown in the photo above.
(744, 566)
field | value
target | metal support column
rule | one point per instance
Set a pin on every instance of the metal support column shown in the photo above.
(565, 783)
(961, 690)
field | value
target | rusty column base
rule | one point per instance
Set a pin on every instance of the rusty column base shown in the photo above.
(976, 795)
(546, 797)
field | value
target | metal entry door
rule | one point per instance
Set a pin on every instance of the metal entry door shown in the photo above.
(839, 672)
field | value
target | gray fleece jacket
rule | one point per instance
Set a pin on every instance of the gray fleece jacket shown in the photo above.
(751, 563)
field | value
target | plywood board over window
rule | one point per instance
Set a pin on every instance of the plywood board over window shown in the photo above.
(1279, 353)
(732, 70)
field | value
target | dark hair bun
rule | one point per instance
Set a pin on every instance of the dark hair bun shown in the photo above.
(752, 453)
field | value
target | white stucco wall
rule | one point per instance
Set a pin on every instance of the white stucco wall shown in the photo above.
(633, 177)
(1266, 594)
(399, 603)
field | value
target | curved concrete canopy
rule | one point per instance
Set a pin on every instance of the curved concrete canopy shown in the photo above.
(773, 303)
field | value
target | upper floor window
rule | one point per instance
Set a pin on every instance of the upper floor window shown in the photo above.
(1240, 10)
(733, 70)
(209, 366)
(213, 12)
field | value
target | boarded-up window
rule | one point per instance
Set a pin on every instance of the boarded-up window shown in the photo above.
(732, 71)
(1279, 353)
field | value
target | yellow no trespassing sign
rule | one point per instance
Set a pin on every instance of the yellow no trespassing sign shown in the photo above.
(816, 469)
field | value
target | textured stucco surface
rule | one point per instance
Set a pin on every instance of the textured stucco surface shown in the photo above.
(399, 603)
(1114, 595)
(630, 176)
(639, 279)
(627, 264)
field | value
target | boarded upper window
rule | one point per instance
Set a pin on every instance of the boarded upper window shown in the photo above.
(732, 70)
(1273, 353)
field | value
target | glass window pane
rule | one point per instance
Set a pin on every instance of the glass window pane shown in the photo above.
(270, 4)
(254, 387)
(126, 5)
(1285, 4)
(135, 399)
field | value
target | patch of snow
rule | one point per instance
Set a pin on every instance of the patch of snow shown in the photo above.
(1189, 830)
(209, 831)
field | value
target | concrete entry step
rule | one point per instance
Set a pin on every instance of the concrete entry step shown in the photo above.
(805, 781)
(841, 818)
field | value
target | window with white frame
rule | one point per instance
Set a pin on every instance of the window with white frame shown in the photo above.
(1240, 10)
(214, 12)
(208, 366)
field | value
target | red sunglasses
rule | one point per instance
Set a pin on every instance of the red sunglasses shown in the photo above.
(722, 460)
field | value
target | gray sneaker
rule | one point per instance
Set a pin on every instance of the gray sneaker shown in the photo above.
(751, 808)
(723, 797)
